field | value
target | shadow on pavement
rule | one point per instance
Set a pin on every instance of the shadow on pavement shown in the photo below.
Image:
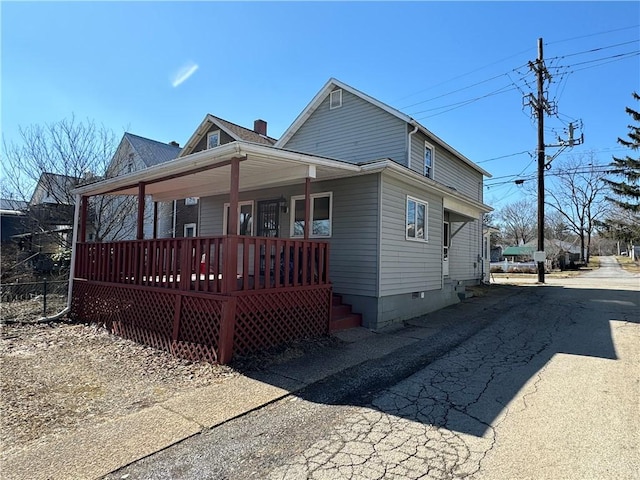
(458, 367)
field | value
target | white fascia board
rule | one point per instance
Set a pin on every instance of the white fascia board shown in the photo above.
(422, 181)
(328, 87)
(305, 114)
(197, 133)
(210, 157)
(157, 172)
(319, 98)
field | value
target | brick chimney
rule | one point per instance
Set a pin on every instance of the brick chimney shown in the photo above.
(173, 143)
(260, 127)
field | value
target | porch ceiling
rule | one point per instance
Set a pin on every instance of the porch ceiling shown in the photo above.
(255, 173)
(208, 173)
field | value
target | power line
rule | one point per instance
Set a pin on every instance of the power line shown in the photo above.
(619, 55)
(599, 169)
(592, 50)
(456, 91)
(510, 57)
(467, 101)
(593, 34)
(503, 156)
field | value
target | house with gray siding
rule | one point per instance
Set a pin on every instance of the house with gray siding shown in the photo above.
(407, 237)
(357, 215)
(135, 153)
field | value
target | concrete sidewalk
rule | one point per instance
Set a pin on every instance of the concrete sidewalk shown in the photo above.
(94, 452)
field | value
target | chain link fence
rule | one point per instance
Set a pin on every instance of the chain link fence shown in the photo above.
(26, 302)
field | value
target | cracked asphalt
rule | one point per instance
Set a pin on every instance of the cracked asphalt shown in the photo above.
(547, 387)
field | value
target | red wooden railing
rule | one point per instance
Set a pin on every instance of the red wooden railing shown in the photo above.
(199, 264)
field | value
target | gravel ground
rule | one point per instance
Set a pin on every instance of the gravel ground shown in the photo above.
(56, 377)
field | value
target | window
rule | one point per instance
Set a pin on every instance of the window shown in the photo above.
(417, 219)
(245, 218)
(191, 201)
(321, 207)
(335, 99)
(213, 139)
(189, 229)
(428, 159)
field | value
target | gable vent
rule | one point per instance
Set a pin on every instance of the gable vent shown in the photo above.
(335, 99)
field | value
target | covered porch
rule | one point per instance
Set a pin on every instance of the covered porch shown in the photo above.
(208, 297)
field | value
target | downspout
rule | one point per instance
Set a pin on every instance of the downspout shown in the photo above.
(415, 129)
(72, 267)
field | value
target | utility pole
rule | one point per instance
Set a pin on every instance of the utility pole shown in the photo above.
(541, 106)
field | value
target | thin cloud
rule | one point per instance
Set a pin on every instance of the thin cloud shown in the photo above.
(184, 73)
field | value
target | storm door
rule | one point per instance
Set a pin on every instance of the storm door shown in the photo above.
(268, 226)
(269, 218)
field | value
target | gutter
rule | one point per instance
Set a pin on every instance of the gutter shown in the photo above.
(411, 175)
(206, 158)
(72, 269)
(415, 129)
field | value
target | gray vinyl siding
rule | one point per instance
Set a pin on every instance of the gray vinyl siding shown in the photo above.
(406, 265)
(354, 239)
(354, 243)
(464, 250)
(358, 131)
(447, 169)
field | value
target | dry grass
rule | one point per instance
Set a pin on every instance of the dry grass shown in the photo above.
(57, 377)
(628, 264)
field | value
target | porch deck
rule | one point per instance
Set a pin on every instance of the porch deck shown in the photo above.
(205, 298)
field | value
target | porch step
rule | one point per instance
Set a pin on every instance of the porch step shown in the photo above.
(342, 316)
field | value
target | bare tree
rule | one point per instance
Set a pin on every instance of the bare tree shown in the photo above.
(621, 225)
(577, 192)
(518, 221)
(51, 160)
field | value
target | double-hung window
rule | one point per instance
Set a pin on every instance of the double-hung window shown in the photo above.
(416, 223)
(245, 218)
(429, 155)
(321, 206)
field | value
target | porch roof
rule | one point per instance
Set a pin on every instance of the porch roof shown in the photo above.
(207, 172)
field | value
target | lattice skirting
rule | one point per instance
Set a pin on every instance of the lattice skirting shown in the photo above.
(265, 320)
(189, 325)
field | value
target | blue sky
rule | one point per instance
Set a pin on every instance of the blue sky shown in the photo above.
(117, 62)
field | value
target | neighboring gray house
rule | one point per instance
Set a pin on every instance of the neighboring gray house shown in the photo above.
(136, 153)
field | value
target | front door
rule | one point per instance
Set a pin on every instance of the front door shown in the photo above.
(445, 249)
(268, 226)
(268, 218)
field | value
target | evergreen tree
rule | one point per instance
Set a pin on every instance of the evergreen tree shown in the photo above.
(627, 190)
